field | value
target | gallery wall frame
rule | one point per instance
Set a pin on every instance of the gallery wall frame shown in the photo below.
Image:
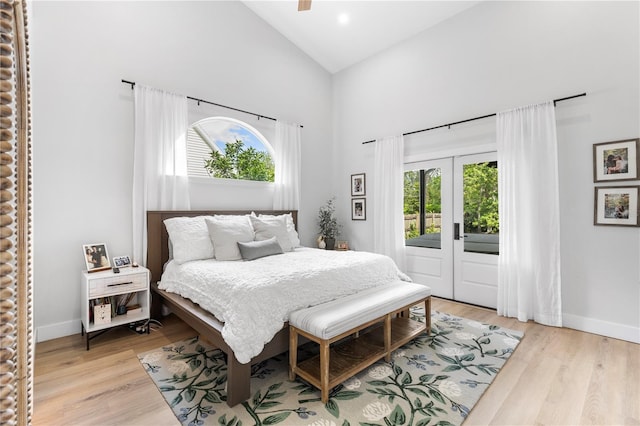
(616, 206)
(358, 209)
(358, 185)
(616, 161)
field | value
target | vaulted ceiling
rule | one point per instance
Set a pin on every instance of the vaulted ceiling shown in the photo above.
(337, 34)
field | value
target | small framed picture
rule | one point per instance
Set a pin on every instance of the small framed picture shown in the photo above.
(357, 185)
(121, 261)
(342, 245)
(96, 257)
(615, 161)
(358, 209)
(616, 206)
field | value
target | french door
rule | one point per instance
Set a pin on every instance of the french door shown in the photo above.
(451, 227)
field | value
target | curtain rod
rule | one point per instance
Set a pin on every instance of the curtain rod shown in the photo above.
(475, 118)
(133, 83)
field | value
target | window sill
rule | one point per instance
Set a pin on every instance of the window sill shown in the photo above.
(230, 182)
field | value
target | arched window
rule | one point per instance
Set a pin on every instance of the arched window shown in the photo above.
(227, 148)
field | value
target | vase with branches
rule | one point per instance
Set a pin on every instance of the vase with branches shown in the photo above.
(328, 223)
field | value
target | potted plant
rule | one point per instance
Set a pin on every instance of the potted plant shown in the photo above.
(328, 224)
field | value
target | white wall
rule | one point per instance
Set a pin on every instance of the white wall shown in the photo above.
(83, 121)
(497, 56)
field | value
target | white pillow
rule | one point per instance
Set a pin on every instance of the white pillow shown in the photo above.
(189, 238)
(291, 227)
(226, 233)
(266, 228)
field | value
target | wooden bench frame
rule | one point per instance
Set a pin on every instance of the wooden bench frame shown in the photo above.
(334, 364)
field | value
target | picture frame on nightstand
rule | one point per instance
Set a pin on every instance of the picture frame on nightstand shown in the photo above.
(121, 261)
(342, 245)
(96, 257)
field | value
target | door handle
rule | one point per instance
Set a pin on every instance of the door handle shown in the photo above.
(456, 231)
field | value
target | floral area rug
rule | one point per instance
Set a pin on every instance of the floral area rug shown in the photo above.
(433, 380)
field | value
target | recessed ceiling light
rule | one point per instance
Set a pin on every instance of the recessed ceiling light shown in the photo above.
(343, 19)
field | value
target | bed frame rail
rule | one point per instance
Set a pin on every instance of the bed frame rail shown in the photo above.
(238, 375)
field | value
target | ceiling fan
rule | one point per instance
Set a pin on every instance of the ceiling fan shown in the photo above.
(304, 5)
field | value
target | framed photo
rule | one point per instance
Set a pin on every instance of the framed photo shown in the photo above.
(121, 261)
(357, 185)
(342, 245)
(96, 257)
(614, 161)
(358, 209)
(616, 206)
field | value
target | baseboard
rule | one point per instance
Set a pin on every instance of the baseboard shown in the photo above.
(603, 328)
(589, 325)
(61, 329)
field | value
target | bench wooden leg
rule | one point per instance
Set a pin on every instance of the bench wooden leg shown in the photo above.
(427, 314)
(387, 338)
(324, 371)
(293, 352)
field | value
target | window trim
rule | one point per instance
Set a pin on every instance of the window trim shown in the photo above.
(224, 181)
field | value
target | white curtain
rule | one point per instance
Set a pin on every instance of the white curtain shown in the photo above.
(160, 159)
(287, 167)
(529, 260)
(388, 199)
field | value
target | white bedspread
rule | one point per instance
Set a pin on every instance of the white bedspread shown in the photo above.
(254, 298)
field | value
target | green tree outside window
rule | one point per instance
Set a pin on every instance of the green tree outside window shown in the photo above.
(240, 162)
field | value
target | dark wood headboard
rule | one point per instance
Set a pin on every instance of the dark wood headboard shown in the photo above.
(158, 238)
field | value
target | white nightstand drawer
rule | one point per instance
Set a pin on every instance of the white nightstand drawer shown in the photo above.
(118, 284)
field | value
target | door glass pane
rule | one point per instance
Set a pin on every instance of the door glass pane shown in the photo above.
(481, 226)
(422, 208)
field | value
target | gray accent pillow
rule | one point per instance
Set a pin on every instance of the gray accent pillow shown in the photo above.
(257, 249)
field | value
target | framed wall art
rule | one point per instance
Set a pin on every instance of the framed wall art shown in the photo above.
(358, 185)
(96, 257)
(358, 209)
(615, 161)
(616, 205)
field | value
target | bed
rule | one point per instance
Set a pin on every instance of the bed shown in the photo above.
(235, 315)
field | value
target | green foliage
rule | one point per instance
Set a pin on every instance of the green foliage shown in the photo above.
(432, 199)
(327, 221)
(411, 232)
(412, 192)
(432, 229)
(240, 162)
(432, 196)
(481, 198)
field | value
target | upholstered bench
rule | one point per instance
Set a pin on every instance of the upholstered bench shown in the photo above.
(381, 313)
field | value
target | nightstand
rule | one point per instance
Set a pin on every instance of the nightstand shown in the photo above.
(103, 291)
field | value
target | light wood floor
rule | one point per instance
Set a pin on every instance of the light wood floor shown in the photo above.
(555, 377)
